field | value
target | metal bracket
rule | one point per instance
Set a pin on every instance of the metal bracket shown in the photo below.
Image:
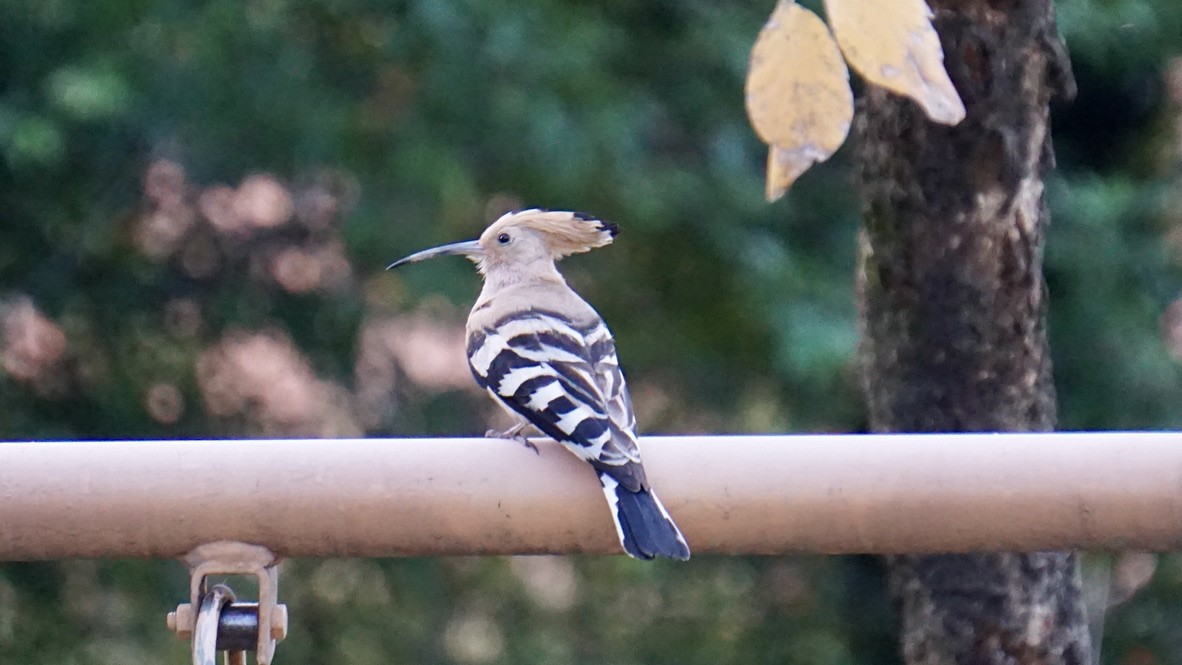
(268, 619)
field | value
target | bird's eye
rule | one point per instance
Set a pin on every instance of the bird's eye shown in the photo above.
(503, 238)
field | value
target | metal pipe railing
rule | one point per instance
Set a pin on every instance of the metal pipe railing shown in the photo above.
(730, 494)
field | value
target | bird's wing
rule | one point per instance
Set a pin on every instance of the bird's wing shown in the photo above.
(543, 367)
(601, 351)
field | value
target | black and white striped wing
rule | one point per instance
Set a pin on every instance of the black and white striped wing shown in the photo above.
(541, 366)
(601, 350)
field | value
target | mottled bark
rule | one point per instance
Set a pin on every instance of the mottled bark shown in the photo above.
(953, 306)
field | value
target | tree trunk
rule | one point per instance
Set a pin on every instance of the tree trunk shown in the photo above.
(953, 309)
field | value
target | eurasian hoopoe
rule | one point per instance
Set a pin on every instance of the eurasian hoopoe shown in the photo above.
(546, 356)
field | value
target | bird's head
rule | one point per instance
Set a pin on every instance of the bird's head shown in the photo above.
(527, 237)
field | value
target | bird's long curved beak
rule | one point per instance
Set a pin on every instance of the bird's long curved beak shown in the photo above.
(468, 248)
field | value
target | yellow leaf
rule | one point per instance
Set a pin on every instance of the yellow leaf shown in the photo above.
(892, 43)
(798, 94)
(784, 166)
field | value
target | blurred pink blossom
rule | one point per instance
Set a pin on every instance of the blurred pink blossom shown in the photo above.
(1171, 328)
(33, 345)
(431, 353)
(164, 403)
(262, 376)
(428, 352)
(164, 183)
(263, 201)
(216, 204)
(321, 267)
(260, 202)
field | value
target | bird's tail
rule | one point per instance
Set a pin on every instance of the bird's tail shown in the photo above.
(642, 523)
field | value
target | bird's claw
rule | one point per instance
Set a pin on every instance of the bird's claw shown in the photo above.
(513, 434)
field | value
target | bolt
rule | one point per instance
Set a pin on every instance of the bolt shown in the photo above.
(279, 622)
(181, 621)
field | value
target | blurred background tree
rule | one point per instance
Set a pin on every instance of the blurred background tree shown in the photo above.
(197, 201)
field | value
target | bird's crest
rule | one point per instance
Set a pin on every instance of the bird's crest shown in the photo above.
(565, 233)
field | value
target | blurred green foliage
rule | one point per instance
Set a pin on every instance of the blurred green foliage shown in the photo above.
(197, 201)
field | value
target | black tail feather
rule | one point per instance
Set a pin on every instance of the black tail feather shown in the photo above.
(643, 524)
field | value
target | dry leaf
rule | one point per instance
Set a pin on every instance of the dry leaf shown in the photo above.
(784, 166)
(892, 43)
(798, 94)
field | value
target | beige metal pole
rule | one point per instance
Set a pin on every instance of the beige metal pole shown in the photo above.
(730, 494)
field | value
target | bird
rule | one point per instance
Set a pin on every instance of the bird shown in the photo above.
(547, 357)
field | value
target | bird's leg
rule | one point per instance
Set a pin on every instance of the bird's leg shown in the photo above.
(514, 434)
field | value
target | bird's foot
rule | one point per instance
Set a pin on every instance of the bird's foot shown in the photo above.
(513, 434)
